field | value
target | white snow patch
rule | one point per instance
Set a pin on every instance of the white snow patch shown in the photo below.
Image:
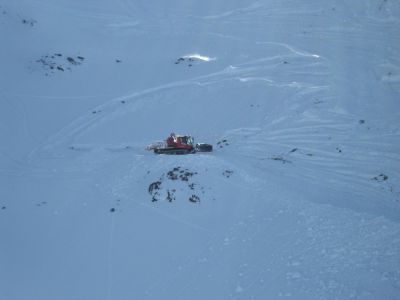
(199, 57)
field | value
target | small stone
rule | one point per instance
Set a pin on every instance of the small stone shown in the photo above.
(194, 199)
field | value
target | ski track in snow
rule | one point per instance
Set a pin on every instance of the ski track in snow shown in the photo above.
(308, 208)
(113, 107)
(310, 136)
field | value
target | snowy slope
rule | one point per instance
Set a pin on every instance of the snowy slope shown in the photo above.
(300, 198)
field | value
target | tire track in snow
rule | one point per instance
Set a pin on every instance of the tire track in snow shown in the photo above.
(112, 108)
(327, 149)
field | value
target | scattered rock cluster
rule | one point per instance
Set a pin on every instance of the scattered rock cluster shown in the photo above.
(58, 62)
(381, 178)
(280, 159)
(42, 203)
(155, 189)
(223, 143)
(188, 61)
(117, 205)
(283, 158)
(227, 173)
(30, 22)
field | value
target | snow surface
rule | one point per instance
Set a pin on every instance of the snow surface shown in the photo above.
(300, 198)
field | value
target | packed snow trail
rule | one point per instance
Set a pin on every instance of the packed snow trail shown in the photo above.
(300, 198)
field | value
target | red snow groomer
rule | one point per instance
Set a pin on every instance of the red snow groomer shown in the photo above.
(179, 144)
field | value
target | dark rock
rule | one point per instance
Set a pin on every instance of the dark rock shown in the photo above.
(194, 198)
(179, 60)
(171, 195)
(381, 178)
(154, 186)
(281, 159)
(227, 173)
(30, 22)
(72, 61)
(172, 176)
